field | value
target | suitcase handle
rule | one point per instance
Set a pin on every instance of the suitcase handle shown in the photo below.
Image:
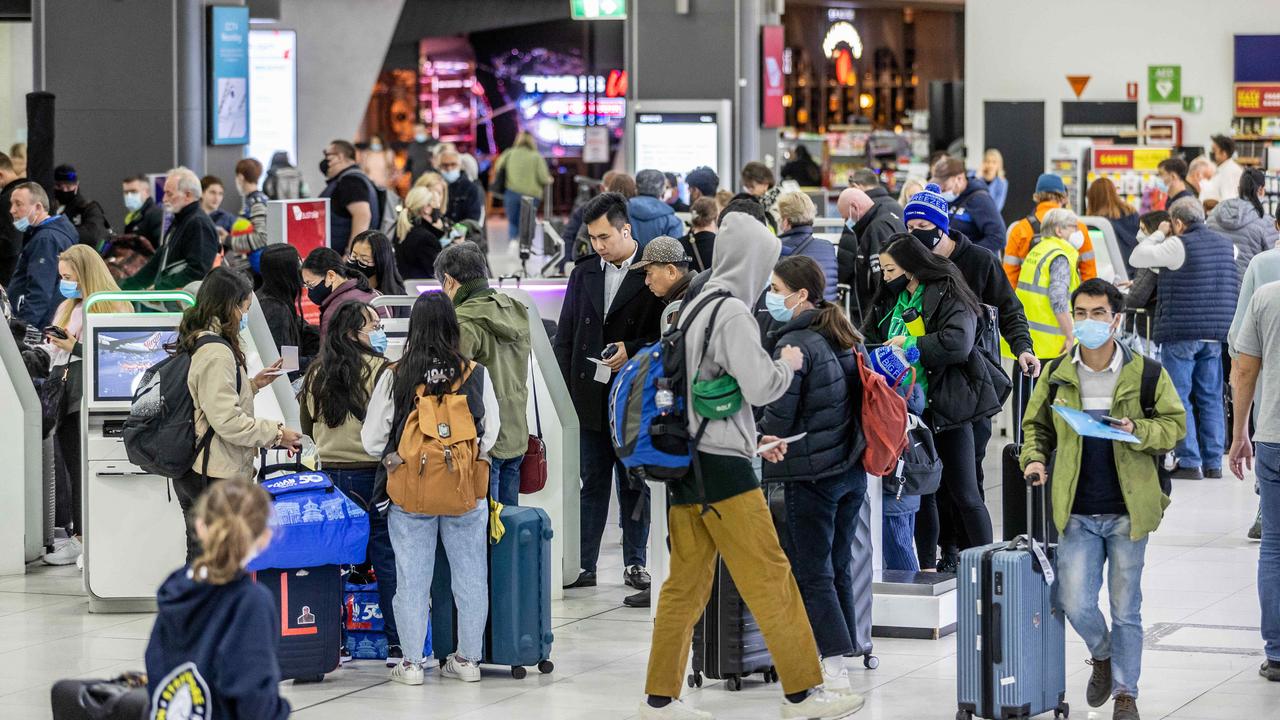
(1034, 490)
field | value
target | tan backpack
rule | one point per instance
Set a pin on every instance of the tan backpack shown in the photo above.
(442, 473)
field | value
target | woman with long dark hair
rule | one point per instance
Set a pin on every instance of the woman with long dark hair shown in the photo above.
(335, 394)
(432, 367)
(330, 282)
(210, 334)
(280, 298)
(371, 255)
(926, 304)
(1244, 219)
(824, 482)
(1103, 200)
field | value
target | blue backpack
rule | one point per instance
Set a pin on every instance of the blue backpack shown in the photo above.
(314, 523)
(648, 418)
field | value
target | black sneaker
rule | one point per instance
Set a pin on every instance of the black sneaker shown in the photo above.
(639, 600)
(1213, 473)
(585, 580)
(1126, 708)
(1188, 473)
(1099, 691)
(1270, 670)
(394, 655)
(950, 562)
(1255, 532)
(636, 577)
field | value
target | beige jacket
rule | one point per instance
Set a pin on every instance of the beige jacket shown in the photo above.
(237, 434)
(341, 444)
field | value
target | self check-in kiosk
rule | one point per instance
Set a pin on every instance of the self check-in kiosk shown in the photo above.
(559, 420)
(22, 498)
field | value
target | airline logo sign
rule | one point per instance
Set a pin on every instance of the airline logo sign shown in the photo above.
(1257, 98)
(1112, 158)
(307, 225)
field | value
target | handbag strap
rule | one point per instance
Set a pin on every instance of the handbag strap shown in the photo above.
(537, 415)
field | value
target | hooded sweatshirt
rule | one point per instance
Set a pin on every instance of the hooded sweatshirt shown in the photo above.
(213, 648)
(741, 266)
(1249, 232)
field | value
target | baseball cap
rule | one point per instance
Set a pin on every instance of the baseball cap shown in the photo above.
(662, 249)
(1048, 182)
(64, 173)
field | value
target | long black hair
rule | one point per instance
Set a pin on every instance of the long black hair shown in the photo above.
(920, 263)
(281, 276)
(338, 380)
(384, 261)
(432, 352)
(323, 260)
(221, 294)
(1250, 183)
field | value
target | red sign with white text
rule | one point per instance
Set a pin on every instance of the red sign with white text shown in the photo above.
(772, 44)
(1257, 98)
(306, 226)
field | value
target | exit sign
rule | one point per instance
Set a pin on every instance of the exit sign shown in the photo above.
(598, 9)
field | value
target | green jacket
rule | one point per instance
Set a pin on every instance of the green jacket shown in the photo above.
(1046, 433)
(495, 333)
(526, 171)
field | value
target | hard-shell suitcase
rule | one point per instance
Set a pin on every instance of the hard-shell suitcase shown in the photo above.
(310, 604)
(727, 643)
(1010, 639)
(518, 633)
(1013, 486)
(123, 698)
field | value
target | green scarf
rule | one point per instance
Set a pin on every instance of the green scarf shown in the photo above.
(471, 289)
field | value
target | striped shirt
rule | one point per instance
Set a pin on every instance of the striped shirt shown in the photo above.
(1098, 489)
(1098, 387)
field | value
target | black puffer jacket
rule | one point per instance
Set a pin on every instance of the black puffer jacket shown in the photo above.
(817, 403)
(858, 256)
(963, 384)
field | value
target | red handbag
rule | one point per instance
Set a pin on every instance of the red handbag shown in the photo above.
(533, 471)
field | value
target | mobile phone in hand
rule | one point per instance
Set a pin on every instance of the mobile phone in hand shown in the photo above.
(609, 351)
(1112, 421)
(56, 331)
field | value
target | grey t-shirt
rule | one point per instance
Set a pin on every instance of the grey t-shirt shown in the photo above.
(1259, 336)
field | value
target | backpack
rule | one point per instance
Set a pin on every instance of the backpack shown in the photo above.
(442, 472)
(160, 433)
(386, 214)
(284, 183)
(648, 408)
(919, 471)
(1034, 222)
(884, 420)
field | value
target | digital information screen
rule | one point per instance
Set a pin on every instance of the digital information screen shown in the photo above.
(228, 63)
(122, 355)
(676, 142)
(273, 94)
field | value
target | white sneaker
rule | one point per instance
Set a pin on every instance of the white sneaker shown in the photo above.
(66, 554)
(408, 673)
(460, 669)
(822, 704)
(675, 710)
(835, 676)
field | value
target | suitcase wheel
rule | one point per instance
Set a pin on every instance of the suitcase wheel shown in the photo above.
(518, 672)
(964, 715)
(770, 675)
(870, 662)
(309, 679)
(733, 683)
(1062, 711)
(695, 680)
(546, 666)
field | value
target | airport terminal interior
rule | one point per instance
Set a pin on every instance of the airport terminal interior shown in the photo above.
(639, 359)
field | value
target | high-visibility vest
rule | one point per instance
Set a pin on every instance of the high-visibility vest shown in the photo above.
(1033, 290)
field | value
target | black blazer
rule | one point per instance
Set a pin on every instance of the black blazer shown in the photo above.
(584, 329)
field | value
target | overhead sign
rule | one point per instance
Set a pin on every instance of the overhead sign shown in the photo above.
(598, 9)
(1106, 159)
(1164, 84)
(595, 148)
(772, 112)
(1078, 83)
(228, 48)
(1257, 98)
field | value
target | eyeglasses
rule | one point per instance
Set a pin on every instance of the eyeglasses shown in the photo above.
(1094, 314)
(373, 329)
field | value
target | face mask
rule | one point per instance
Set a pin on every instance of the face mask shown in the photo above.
(949, 196)
(446, 240)
(64, 197)
(930, 237)
(21, 224)
(420, 137)
(377, 340)
(1092, 334)
(70, 289)
(777, 306)
(244, 322)
(849, 224)
(1076, 239)
(318, 293)
(365, 270)
(451, 176)
(1161, 185)
(375, 148)
(324, 167)
(133, 201)
(897, 285)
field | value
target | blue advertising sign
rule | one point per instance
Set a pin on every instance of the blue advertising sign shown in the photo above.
(228, 75)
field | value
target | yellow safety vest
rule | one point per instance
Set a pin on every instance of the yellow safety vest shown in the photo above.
(1033, 290)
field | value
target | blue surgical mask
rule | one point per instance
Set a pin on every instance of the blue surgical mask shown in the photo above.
(21, 224)
(949, 196)
(244, 322)
(133, 201)
(451, 176)
(378, 341)
(1092, 334)
(849, 224)
(1161, 185)
(376, 147)
(420, 137)
(70, 289)
(776, 304)
(446, 240)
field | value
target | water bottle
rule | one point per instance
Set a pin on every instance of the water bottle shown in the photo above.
(309, 454)
(893, 362)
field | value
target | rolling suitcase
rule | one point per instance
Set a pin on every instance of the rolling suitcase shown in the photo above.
(518, 632)
(1010, 640)
(310, 605)
(123, 698)
(1013, 486)
(727, 643)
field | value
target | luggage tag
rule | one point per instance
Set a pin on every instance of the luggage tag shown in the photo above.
(1045, 566)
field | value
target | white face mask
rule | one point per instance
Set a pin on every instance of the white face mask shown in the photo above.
(1076, 239)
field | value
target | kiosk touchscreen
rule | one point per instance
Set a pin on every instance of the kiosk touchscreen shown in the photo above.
(679, 135)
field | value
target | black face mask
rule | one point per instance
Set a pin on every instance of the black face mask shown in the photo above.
(895, 286)
(365, 270)
(930, 238)
(324, 167)
(318, 293)
(64, 197)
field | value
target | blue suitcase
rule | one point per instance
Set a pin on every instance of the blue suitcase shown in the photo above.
(518, 633)
(1011, 640)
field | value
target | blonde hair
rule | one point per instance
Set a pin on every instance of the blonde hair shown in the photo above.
(999, 158)
(723, 198)
(910, 186)
(796, 208)
(435, 181)
(93, 277)
(419, 196)
(524, 140)
(235, 514)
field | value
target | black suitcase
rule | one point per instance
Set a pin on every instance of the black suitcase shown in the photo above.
(727, 643)
(310, 605)
(124, 698)
(1013, 484)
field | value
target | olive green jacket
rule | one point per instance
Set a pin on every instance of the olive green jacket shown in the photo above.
(1046, 433)
(495, 333)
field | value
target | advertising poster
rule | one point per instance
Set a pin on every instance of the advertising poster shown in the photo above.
(273, 94)
(772, 45)
(306, 225)
(228, 63)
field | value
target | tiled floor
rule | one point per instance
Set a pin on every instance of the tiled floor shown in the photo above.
(1200, 572)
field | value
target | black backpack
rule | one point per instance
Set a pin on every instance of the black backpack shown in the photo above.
(160, 434)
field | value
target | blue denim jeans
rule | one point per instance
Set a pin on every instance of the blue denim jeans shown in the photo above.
(511, 205)
(1267, 467)
(358, 485)
(898, 531)
(504, 480)
(822, 517)
(465, 537)
(1195, 366)
(1088, 542)
(598, 466)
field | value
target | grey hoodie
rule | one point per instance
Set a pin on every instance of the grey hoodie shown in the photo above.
(744, 256)
(1237, 219)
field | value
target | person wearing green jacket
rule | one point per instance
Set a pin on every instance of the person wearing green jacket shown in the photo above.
(1106, 493)
(495, 333)
(526, 176)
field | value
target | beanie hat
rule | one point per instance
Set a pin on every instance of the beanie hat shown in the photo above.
(928, 205)
(1048, 182)
(241, 228)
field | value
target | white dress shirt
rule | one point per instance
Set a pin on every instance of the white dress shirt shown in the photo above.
(614, 275)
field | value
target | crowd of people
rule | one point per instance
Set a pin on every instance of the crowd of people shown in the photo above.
(931, 275)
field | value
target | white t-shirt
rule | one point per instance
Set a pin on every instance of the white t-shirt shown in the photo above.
(1259, 336)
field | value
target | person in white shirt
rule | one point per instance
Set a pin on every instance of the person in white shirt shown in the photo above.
(1200, 174)
(1226, 181)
